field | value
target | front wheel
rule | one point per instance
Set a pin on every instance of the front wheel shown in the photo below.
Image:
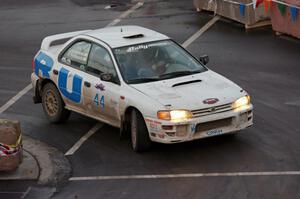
(140, 140)
(53, 104)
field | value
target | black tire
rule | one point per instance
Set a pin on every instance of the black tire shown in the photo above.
(53, 104)
(140, 140)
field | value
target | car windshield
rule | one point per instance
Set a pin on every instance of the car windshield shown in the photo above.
(155, 61)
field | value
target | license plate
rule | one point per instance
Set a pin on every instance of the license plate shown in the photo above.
(214, 132)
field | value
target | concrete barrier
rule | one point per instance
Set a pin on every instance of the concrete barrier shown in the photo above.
(282, 22)
(231, 9)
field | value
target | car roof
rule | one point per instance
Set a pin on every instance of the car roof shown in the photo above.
(119, 36)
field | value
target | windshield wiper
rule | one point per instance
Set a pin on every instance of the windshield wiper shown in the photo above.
(161, 77)
(178, 74)
(142, 80)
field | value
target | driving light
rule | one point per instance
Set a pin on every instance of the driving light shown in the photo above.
(243, 101)
(174, 115)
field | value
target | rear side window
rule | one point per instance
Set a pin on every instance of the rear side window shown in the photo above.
(77, 55)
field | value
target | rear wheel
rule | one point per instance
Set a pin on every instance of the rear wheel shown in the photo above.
(53, 105)
(140, 140)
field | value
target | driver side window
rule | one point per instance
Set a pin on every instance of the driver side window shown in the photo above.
(100, 61)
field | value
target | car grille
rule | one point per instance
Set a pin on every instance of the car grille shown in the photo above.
(213, 124)
(212, 110)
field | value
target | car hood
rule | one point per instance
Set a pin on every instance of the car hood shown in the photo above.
(192, 91)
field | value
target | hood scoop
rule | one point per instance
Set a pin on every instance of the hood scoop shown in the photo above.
(187, 82)
(133, 36)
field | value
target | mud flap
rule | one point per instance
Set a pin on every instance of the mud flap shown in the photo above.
(124, 130)
(37, 95)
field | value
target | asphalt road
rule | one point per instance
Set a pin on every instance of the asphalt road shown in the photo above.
(265, 65)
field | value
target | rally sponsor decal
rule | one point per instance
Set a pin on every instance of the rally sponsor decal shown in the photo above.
(193, 128)
(214, 132)
(75, 94)
(43, 64)
(100, 86)
(153, 125)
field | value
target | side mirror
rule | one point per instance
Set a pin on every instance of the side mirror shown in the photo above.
(107, 77)
(204, 59)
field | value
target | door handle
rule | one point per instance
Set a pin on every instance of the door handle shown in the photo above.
(55, 72)
(87, 84)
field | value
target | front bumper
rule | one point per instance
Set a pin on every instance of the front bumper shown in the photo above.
(201, 127)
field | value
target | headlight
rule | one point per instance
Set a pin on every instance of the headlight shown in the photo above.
(174, 115)
(243, 101)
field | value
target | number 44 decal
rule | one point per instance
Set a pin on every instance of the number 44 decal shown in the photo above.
(99, 102)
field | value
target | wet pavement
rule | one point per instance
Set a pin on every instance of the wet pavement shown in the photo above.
(15, 189)
(265, 65)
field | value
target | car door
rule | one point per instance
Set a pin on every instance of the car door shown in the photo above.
(72, 64)
(101, 97)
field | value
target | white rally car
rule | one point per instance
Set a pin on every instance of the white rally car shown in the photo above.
(140, 81)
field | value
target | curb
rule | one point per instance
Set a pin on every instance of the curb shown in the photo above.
(28, 169)
(54, 168)
(42, 163)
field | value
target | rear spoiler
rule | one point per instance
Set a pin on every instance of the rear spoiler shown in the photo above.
(47, 41)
